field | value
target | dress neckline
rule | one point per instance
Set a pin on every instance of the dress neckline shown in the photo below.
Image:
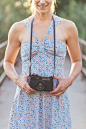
(35, 35)
(45, 41)
(49, 31)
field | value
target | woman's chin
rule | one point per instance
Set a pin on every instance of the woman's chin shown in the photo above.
(42, 11)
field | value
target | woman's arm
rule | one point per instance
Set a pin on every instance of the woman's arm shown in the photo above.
(74, 51)
(75, 56)
(11, 52)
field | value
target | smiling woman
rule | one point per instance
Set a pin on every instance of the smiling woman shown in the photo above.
(31, 2)
(41, 100)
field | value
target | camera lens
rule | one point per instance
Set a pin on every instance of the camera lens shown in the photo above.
(40, 85)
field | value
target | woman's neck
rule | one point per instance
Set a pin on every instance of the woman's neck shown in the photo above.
(42, 17)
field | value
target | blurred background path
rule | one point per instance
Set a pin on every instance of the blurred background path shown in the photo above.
(76, 93)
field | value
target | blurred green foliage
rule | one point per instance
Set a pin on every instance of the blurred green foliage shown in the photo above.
(76, 11)
(15, 10)
(11, 11)
(2, 51)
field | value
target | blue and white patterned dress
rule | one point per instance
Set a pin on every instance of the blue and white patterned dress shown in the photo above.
(41, 110)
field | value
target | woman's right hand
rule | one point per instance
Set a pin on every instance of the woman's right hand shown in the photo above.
(23, 84)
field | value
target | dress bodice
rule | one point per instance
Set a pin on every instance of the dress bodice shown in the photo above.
(42, 61)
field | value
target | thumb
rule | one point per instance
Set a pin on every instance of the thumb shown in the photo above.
(31, 74)
(27, 76)
(57, 77)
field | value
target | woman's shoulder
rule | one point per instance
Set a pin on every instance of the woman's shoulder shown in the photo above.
(69, 25)
(16, 26)
(66, 22)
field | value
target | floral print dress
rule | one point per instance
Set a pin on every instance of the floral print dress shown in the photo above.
(41, 110)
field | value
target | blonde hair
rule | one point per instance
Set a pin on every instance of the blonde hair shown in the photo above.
(31, 3)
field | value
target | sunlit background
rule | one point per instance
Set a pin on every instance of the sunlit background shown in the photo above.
(12, 11)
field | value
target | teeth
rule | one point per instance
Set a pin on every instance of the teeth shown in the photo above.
(42, 6)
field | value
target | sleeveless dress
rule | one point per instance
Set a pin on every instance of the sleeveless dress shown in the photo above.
(41, 110)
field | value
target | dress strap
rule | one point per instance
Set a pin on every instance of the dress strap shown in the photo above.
(28, 25)
(50, 30)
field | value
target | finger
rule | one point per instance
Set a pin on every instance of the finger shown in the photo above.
(56, 90)
(57, 77)
(31, 74)
(19, 85)
(28, 91)
(25, 88)
(58, 94)
(29, 88)
(33, 90)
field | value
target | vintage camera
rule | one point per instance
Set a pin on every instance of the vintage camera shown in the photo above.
(41, 83)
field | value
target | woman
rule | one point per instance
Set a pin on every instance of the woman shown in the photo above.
(39, 109)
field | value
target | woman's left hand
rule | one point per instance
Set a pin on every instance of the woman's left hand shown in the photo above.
(64, 83)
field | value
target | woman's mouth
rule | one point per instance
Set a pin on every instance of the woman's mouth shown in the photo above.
(42, 7)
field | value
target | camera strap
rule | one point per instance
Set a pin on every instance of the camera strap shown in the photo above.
(31, 46)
